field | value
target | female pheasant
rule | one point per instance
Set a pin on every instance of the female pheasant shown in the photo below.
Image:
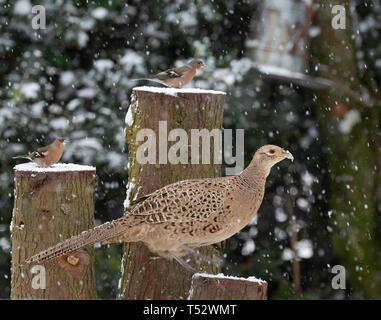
(185, 215)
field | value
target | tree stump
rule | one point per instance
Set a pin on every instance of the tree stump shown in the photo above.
(51, 205)
(220, 287)
(145, 276)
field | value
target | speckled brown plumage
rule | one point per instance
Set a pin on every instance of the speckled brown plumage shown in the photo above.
(186, 214)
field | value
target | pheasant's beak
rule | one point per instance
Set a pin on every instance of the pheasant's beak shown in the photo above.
(288, 155)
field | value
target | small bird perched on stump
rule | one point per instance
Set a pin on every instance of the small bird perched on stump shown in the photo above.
(48, 155)
(177, 218)
(177, 77)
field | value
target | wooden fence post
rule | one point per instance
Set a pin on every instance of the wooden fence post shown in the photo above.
(52, 204)
(143, 275)
(219, 287)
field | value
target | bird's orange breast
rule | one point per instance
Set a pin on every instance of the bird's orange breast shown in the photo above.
(182, 81)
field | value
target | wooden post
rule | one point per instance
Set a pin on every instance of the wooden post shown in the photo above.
(145, 276)
(52, 204)
(219, 287)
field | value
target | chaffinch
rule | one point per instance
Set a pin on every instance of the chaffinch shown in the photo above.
(48, 155)
(177, 77)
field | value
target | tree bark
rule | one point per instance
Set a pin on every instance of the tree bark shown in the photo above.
(206, 287)
(50, 206)
(350, 158)
(145, 276)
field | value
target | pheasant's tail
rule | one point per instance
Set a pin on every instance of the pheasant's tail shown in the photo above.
(98, 234)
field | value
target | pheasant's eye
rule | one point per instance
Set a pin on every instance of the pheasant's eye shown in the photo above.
(272, 151)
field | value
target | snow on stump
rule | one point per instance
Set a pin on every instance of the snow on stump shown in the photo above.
(221, 287)
(52, 204)
(160, 110)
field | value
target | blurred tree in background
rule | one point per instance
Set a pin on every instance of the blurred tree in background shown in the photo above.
(74, 80)
(348, 115)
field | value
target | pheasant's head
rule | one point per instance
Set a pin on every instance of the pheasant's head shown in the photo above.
(269, 155)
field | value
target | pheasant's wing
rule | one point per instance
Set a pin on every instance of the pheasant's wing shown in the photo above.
(171, 73)
(197, 199)
(175, 185)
